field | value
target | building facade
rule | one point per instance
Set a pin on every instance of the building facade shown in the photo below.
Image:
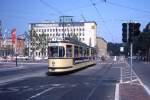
(101, 47)
(66, 27)
(9, 49)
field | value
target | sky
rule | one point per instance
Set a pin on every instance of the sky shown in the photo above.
(108, 14)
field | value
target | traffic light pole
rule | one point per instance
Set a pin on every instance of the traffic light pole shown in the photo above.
(127, 31)
(131, 61)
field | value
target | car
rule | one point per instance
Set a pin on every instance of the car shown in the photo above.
(37, 58)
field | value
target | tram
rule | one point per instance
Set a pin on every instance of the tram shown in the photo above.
(68, 55)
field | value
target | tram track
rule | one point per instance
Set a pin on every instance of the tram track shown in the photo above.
(100, 79)
(77, 86)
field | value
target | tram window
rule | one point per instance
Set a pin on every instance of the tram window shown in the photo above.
(76, 51)
(69, 51)
(53, 51)
(92, 52)
(87, 51)
(61, 51)
(81, 51)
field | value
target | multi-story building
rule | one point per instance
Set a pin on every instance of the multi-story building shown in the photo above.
(101, 47)
(66, 27)
(9, 49)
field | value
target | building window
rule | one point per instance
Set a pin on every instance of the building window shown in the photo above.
(77, 29)
(80, 34)
(83, 29)
(80, 29)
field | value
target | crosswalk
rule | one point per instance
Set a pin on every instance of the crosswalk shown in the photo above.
(128, 75)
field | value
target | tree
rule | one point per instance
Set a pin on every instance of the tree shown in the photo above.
(142, 43)
(43, 43)
(34, 42)
(26, 51)
(114, 48)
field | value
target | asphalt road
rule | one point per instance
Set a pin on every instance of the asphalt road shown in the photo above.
(143, 71)
(9, 72)
(93, 83)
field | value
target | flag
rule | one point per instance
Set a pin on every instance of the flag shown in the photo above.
(13, 35)
(0, 34)
(3, 35)
(6, 34)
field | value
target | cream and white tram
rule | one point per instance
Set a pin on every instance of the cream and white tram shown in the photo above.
(69, 55)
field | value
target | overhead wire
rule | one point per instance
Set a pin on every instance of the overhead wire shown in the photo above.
(127, 7)
(51, 7)
(98, 12)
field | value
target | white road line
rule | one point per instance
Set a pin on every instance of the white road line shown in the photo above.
(5, 69)
(21, 77)
(117, 92)
(144, 86)
(38, 94)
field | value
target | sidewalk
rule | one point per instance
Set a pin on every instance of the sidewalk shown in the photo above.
(129, 91)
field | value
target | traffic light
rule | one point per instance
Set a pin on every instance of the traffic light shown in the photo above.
(137, 29)
(131, 32)
(124, 32)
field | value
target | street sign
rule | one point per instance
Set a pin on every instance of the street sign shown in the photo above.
(121, 49)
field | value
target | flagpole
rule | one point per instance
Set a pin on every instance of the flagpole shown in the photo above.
(1, 32)
(16, 52)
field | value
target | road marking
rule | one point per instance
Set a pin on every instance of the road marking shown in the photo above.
(13, 68)
(145, 87)
(38, 94)
(142, 84)
(21, 77)
(117, 92)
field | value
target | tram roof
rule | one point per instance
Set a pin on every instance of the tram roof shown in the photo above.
(72, 41)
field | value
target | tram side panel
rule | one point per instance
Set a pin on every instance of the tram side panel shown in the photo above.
(60, 63)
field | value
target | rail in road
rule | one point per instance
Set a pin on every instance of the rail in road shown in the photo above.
(92, 83)
(12, 73)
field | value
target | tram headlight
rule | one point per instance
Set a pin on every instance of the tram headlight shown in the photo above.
(53, 63)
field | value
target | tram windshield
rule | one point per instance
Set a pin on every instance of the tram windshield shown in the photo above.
(56, 51)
